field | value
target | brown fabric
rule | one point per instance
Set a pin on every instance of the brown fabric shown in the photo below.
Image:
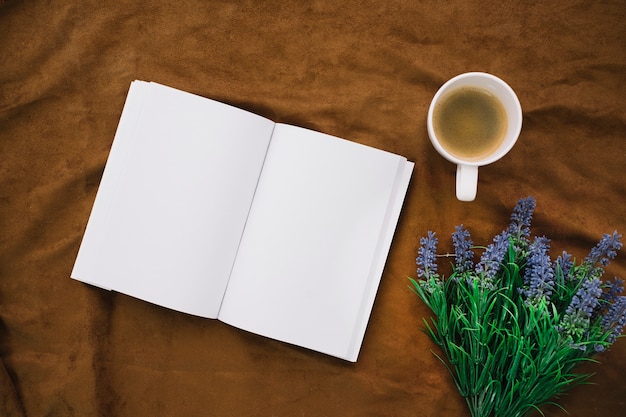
(365, 71)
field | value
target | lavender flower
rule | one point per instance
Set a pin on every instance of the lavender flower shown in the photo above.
(599, 348)
(615, 319)
(538, 276)
(586, 298)
(615, 288)
(427, 254)
(564, 263)
(491, 259)
(609, 297)
(605, 249)
(581, 308)
(521, 217)
(462, 249)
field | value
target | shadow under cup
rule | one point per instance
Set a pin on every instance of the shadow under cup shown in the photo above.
(467, 169)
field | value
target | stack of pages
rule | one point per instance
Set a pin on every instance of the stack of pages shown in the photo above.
(217, 212)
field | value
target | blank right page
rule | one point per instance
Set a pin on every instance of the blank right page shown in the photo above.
(315, 232)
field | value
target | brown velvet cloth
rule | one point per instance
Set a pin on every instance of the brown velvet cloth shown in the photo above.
(365, 71)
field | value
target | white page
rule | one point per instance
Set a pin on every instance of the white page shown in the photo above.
(113, 170)
(174, 199)
(405, 170)
(304, 269)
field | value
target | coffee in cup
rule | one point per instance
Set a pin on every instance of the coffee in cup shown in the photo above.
(474, 119)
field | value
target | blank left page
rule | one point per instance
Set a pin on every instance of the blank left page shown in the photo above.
(174, 198)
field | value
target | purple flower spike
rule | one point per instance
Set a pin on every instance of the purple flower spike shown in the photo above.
(605, 249)
(577, 316)
(564, 262)
(427, 255)
(462, 249)
(615, 319)
(491, 260)
(522, 216)
(615, 289)
(586, 298)
(539, 275)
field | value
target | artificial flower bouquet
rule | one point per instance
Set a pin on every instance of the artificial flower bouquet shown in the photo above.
(514, 325)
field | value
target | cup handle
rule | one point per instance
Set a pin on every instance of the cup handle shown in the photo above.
(466, 182)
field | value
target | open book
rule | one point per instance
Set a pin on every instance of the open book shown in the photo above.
(218, 212)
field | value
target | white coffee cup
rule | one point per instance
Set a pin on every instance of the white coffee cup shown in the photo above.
(467, 168)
